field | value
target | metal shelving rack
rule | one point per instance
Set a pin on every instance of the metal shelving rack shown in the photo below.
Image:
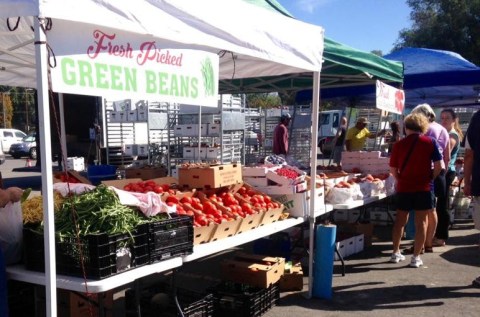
(117, 134)
(253, 136)
(228, 143)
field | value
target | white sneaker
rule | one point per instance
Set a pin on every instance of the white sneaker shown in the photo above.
(416, 262)
(397, 257)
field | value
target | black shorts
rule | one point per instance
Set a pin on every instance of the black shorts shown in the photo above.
(415, 201)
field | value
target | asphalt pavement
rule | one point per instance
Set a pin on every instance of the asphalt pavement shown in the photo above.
(22, 173)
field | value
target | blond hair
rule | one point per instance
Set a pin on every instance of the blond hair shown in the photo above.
(417, 122)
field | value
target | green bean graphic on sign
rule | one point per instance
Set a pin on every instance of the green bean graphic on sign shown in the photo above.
(208, 77)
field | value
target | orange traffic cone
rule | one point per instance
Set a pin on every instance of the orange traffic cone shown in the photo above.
(28, 163)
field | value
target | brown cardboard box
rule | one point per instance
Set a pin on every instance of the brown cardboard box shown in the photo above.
(210, 177)
(226, 229)
(292, 279)
(73, 174)
(203, 234)
(361, 228)
(72, 304)
(145, 173)
(120, 183)
(251, 269)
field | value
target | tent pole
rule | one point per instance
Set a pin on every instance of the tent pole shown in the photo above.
(46, 165)
(63, 136)
(313, 175)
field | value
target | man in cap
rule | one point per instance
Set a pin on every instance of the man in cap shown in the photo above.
(358, 134)
(280, 135)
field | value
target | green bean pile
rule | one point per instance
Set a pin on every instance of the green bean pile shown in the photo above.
(97, 211)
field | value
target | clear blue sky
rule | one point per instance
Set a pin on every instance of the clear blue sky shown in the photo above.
(362, 24)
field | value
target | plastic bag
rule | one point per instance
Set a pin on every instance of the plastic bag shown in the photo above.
(11, 232)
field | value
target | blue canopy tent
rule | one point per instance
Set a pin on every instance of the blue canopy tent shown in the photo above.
(440, 78)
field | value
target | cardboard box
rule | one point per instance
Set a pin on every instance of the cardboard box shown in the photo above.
(341, 248)
(210, 177)
(192, 152)
(76, 164)
(142, 115)
(212, 153)
(73, 304)
(256, 181)
(226, 229)
(350, 246)
(340, 215)
(130, 149)
(71, 174)
(358, 228)
(118, 116)
(282, 180)
(120, 183)
(203, 234)
(251, 269)
(359, 243)
(132, 115)
(213, 129)
(250, 222)
(292, 278)
(145, 173)
(298, 205)
(271, 216)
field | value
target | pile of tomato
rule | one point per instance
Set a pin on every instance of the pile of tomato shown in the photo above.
(148, 186)
(222, 206)
(287, 172)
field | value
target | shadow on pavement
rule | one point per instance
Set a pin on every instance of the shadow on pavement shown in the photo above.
(362, 297)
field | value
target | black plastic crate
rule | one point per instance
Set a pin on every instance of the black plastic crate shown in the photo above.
(193, 304)
(103, 255)
(239, 300)
(170, 237)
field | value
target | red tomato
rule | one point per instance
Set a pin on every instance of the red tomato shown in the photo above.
(242, 191)
(165, 187)
(158, 189)
(172, 199)
(186, 199)
(150, 183)
(197, 205)
(247, 208)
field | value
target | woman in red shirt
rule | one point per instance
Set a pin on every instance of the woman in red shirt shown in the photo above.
(411, 165)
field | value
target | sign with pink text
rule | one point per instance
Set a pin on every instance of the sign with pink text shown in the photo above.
(390, 98)
(116, 64)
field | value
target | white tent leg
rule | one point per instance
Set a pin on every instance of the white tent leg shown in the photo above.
(313, 175)
(46, 166)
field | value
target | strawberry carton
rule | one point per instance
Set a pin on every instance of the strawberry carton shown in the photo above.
(286, 175)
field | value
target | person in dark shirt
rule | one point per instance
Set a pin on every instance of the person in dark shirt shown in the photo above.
(280, 135)
(339, 142)
(471, 171)
(395, 137)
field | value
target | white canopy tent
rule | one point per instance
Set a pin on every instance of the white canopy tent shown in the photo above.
(250, 41)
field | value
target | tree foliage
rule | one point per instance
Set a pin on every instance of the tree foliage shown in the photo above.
(263, 100)
(452, 25)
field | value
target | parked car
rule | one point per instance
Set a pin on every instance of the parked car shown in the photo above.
(2, 156)
(28, 147)
(9, 137)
